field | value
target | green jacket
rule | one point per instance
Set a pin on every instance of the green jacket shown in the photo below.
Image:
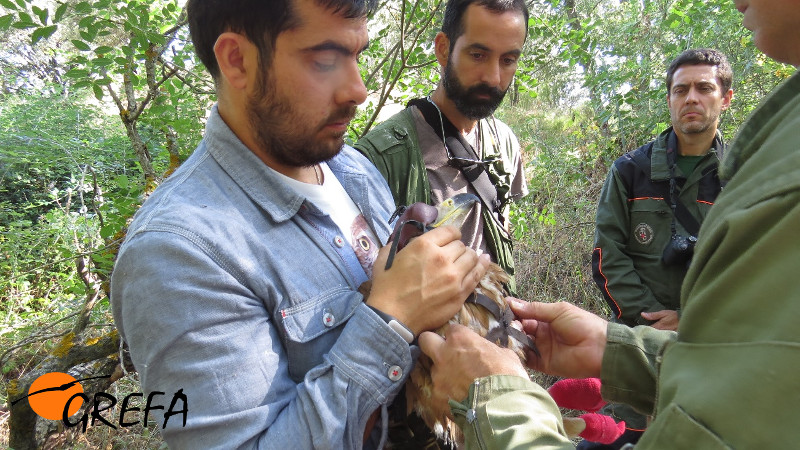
(633, 227)
(393, 147)
(728, 378)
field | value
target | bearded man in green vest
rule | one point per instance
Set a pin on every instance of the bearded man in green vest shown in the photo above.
(450, 142)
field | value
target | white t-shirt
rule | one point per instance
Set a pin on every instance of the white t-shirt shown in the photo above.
(335, 202)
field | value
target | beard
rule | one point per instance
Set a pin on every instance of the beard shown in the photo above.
(698, 127)
(466, 99)
(286, 135)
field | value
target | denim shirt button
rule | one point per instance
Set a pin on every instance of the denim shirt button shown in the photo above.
(338, 241)
(328, 320)
(395, 373)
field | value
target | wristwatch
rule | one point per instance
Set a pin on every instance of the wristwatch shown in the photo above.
(395, 325)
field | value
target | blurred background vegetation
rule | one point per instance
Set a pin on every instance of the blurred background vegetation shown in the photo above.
(101, 100)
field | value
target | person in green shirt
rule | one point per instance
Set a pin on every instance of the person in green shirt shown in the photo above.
(651, 207)
(728, 377)
(450, 141)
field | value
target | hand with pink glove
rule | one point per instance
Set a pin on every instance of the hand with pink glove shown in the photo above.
(584, 394)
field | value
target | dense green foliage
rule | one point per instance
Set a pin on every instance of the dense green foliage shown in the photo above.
(99, 100)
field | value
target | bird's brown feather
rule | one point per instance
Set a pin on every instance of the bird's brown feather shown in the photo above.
(419, 387)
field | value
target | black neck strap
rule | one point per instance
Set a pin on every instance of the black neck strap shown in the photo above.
(476, 174)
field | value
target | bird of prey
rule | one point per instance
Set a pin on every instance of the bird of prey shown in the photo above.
(485, 311)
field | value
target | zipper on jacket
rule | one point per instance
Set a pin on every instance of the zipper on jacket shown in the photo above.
(472, 416)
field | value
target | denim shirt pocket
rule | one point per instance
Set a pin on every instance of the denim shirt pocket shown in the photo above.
(312, 327)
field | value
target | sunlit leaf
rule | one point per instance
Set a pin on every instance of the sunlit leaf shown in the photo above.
(42, 33)
(80, 45)
(60, 11)
(5, 21)
(98, 91)
(41, 13)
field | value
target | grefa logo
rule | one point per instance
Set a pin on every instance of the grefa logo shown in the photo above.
(59, 396)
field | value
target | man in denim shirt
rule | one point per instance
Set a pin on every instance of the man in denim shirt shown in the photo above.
(237, 283)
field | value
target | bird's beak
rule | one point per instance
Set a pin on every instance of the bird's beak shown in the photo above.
(454, 210)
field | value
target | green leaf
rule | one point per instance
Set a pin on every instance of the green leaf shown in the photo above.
(5, 21)
(77, 73)
(25, 17)
(98, 91)
(80, 45)
(103, 62)
(21, 3)
(133, 18)
(122, 181)
(23, 25)
(83, 8)
(42, 14)
(8, 5)
(86, 22)
(103, 49)
(107, 231)
(60, 11)
(42, 33)
(157, 38)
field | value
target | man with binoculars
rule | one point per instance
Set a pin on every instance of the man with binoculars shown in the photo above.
(653, 202)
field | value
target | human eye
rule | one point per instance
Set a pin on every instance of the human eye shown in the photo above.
(325, 64)
(477, 56)
(325, 60)
(509, 60)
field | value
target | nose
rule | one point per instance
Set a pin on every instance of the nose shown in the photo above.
(492, 74)
(692, 95)
(352, 91)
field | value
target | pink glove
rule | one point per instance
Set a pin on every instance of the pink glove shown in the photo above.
(584, 394)
(601, 428)
(578, 393)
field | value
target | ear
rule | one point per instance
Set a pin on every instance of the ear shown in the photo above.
(233, 52)
(726, 99)
(442, 48)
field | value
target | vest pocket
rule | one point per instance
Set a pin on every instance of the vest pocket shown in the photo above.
(650, 221)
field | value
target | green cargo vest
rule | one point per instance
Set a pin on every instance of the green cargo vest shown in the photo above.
(393, 147)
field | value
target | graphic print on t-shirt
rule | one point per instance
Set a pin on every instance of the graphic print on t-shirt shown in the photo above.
(363, 244)
(332, 199)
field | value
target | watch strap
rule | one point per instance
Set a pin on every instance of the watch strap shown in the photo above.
(395, 325)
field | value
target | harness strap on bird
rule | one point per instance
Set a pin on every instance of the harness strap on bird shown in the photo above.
(504, 318)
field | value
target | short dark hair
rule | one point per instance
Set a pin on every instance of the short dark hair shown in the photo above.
(453, 23)
(703, 56)
(259, 20)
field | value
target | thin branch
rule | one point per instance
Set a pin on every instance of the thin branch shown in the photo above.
(30, 340)
(111, 244)
(116, 98)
